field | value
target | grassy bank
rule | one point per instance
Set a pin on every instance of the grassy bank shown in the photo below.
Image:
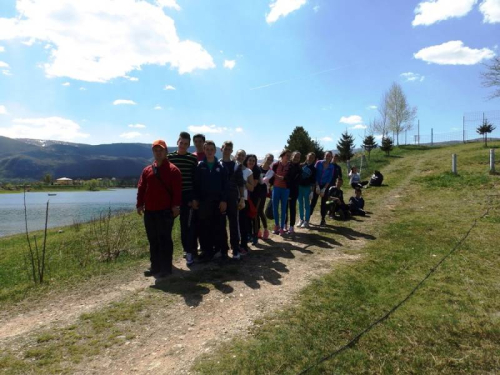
(451, 325)
(74, 253)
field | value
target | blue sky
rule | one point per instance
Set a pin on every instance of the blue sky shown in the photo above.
(106, 71)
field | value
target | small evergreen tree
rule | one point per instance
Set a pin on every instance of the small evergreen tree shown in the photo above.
(300, 141)
(387, 145)
(484, 129)
(47, 178)
(369, 144)
(318, 150)
(346, 146)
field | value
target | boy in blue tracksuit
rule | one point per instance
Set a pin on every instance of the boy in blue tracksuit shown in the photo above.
(210, 199)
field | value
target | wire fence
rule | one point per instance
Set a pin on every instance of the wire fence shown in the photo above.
(467, 132)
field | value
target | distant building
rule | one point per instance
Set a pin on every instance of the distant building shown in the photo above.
(64, 181)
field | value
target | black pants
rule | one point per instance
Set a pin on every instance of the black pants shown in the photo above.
(188, 219)
(234, 227)
(159, 231)
(211, 227)
(261, 216)
(292, 207)
(244, 221)
(323, 203)
(360, 184)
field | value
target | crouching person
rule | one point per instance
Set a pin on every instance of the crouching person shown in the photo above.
(335, 203)
(357, 203)
(210, 199)
(159, 198)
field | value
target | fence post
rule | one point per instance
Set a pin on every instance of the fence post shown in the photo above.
(432, 136)
(454, 163)
(418, 133)
(463, 129)
(492, 160)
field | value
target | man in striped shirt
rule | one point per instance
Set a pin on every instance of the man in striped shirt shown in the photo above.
(186, 162)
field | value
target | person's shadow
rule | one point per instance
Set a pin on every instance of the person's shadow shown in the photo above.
(261, 265)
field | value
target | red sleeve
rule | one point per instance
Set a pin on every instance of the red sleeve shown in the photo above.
(141, 189)
(176, 182)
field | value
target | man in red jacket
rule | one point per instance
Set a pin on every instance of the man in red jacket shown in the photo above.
(159, 197)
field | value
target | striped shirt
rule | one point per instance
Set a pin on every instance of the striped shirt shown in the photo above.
(187, 164)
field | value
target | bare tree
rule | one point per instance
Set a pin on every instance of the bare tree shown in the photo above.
(381, 125)
(491, 77)
(400, 114)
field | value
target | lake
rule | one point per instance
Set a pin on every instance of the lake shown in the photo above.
(65, 208)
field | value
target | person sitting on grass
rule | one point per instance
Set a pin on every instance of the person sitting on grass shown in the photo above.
(357, 203)
(335, 203)
(376, 179)
(356, 179)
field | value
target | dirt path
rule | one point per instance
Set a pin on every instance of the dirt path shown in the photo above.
(201, 315)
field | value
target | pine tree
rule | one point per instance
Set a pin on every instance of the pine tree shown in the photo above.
(300, 141)
(346, 146)
(318, 150)
(484, 129)
(387, 145)
(369, 144)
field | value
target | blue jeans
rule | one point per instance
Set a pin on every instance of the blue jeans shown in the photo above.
(304, 192)
(280, 195)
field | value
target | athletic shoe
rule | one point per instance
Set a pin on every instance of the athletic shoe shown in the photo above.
(290, 230)
(255, 240)
(259, 234)
(243, 251)
(184, 256)
(265, 236)
(305, 225)
(323, 223)
(282, 232)
(276, 229)
(301, 222)
(189, 259)
(236, 256)
(149, 273)
(286, 228)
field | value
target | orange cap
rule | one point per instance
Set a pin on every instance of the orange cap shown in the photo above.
(159, 142)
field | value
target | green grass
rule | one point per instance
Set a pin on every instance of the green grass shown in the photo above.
(60, 350)
(451, 325)
(72, 258)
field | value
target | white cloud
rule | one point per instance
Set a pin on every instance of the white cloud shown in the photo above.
(205, 129)
(138, 126)
(82, 89)
(281, 8)
(238, 130)
(97, 41)
(3, 64)
(130, 135)
(3, 110)
(2, 49)
(66, 84)
(453, 53)
(133, 79)
(412, 77)
(372, 107)
(124, 101)
(229, 64)
(168, 4)
(6, 72)
(326, 139)
(432, 11)
(55, 128)
(316, 8)
(169, 87)
(158, 108)
(359, 126)
(351, 120)
(490, 10)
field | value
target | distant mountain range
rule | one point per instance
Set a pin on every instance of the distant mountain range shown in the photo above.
(31, 159)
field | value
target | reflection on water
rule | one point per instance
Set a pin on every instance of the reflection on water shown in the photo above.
(65, 208)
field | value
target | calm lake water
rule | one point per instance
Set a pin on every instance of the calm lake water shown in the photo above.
(65, 208)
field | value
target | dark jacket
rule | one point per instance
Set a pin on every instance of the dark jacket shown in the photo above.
(356, 203)
(235, 177)
(293, 178)
(336, 193)
(308, 175)
(337, 173)
(210, 184)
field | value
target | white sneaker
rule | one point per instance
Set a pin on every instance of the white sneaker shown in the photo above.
(305, 225)
(300, 223)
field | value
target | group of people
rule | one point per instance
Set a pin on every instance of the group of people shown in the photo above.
(207, 193)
